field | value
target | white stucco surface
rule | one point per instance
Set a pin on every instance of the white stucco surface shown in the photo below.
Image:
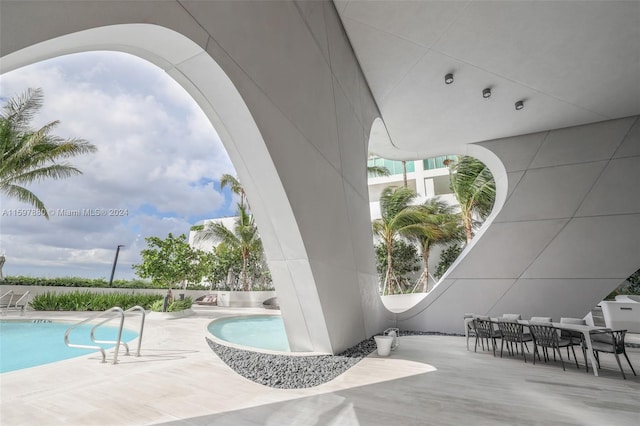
(283, 89)
(291, 102)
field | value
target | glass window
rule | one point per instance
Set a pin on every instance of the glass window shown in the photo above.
(437, 162)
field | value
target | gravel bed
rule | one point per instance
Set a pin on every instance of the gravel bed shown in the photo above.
(296, 372)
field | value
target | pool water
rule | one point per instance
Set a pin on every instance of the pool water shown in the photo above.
(262, 332)
(25, 344)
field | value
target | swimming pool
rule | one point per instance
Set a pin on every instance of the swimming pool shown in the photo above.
(259, 331)
(30, 343)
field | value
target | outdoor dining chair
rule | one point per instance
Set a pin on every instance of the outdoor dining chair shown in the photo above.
(484, 330)
(609, 341)
(546, 336)
(511, 333)
(576, 337)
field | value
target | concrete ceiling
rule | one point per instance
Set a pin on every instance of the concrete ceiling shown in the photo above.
(572, 62)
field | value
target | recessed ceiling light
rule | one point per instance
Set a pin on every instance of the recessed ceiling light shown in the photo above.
(486, 93)
(519, 105)
(448, 79)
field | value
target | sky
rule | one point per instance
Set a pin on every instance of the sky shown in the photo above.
(156, 171)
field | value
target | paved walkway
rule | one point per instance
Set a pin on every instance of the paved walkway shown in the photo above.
(429, 380)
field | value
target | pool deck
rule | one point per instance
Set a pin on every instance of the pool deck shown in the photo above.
(429, 380)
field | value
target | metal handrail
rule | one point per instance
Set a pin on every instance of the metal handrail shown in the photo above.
(122, 314)
(110, 342)
(143, 315)
(126, 346)
(98, 315)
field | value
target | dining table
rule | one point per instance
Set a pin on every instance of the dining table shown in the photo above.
(586, 333)
(584, 329)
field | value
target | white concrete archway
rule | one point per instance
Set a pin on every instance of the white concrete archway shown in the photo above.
(308, 279)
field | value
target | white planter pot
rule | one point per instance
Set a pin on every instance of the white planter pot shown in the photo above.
(384, 344)
(223, 298)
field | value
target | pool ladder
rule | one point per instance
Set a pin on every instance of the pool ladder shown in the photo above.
(106, 316)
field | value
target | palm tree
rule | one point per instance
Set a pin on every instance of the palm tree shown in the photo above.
(30, 155)
(439, 225)
(244, 237)
(236, 187)
(398, 215)
(404, 173)
(475, 189)
(378, 171)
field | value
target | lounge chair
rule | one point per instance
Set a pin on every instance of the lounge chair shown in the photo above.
(14, 302)
(207, 300)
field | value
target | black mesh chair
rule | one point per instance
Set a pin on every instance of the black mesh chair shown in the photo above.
(484, 330)
(576, 337)
(512, 333)
(612, 342)
(545, 337)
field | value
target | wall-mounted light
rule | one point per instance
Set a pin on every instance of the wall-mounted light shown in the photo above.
(519, 105)
(448, 79)
(486, 93)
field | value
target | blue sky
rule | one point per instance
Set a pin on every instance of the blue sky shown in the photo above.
(158, 166)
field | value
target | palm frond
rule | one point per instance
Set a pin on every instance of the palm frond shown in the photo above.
(393, 200)
(30, 155)
(474, 187)
(25, 196)
(56, 171)
(20, 110)
(378, 171)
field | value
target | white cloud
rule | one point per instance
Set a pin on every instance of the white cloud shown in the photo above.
(157, 157)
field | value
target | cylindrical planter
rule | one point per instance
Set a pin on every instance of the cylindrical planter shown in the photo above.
(384, 345)
(223, 298)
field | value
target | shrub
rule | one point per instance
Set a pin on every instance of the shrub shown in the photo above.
(175, 306)
(87, 301)
(157, 305)
(447, 257)
(405, 261)
(630, 286)
(179, 305)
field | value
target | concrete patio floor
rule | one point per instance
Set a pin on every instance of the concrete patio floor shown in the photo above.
(429, 380)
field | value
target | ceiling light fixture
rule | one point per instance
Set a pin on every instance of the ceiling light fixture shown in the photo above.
(486, 93)
(448, 79)
(519, 105)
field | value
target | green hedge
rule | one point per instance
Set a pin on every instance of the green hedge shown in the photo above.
(87, 301)
(87, 282)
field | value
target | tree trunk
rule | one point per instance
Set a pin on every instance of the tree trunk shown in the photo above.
(245, 283)
(425, 259)
(467, 222)
(468, 230)
(390, 267)
(404, 173)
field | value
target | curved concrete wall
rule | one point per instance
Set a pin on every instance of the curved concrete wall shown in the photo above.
(281, 84)
(568, 233)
